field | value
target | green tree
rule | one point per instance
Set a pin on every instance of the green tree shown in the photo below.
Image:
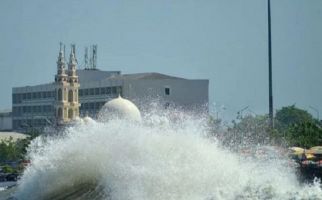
(248, 130)
(8, 150)
(289, 116)
(298, 127)
(305, 134)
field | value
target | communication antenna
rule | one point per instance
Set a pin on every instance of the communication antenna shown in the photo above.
(94, 57)
(91, 58)
(86, 57)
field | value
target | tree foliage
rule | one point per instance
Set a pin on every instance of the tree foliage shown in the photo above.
(304, 134)
(11, 150)
(293, 127)
(289, 116)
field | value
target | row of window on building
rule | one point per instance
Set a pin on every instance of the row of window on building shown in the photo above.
(19, 97)
(45, 109)
(92, 106)
(29, 123)
(100, 91)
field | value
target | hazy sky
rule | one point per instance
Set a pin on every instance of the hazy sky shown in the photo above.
(224, 41)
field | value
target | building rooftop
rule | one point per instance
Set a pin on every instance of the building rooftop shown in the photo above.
(14, 135)
(95, 75)
(149, 75)
(5, 113)
(91, 76)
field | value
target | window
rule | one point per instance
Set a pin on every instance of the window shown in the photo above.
(91, 91)
(14, 98)
(19, 97)
(60, 95)
(70, 96)
(97, 105)
(28, 109)
(113, 90)
(103, 90)
(60, 113)
(108, 90)
(85, 106)
(97, 91)
(167, 91)
(85, 92)
(70, 113)
(34, 109)
(80, 92)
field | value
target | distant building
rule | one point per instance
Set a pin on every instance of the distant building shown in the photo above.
(14, 136)
(83, 92)
(5, 120)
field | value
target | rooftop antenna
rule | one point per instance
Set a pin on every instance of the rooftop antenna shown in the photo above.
(94, 57)
(86, 58)
(91, 58)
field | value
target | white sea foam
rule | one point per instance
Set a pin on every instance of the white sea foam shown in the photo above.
(156, 160)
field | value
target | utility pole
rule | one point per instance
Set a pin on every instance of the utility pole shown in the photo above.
(271, 114)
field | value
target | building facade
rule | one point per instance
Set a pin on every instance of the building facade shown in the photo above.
(83, 92)
(5, 120)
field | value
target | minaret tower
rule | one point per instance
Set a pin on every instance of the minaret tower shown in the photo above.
(73, 109)
(61, 81)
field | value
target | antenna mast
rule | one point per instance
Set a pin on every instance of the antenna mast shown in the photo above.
(94, 57)
(91, 64)
(86, 58)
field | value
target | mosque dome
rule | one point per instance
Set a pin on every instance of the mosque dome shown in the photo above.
(119, 108)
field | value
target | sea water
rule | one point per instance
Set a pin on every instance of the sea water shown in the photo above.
(166, 157)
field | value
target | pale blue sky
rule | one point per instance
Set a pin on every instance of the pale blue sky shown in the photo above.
(224, 41)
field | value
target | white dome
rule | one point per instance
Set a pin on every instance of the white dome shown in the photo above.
(119, 108)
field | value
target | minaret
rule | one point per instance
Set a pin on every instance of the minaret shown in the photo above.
(61, 75)
(73, 109)
(61, 81)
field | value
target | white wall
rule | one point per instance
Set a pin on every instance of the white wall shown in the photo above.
(183, 93)
(5, 122)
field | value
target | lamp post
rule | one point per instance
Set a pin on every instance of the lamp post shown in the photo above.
(240, 112)
(270, 87)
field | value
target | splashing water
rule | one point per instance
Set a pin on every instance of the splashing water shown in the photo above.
(155, 160)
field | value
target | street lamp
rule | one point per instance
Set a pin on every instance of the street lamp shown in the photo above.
(240, 112)
(270, 87)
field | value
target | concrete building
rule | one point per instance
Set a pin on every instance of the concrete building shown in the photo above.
(5, 120)
(83, 92)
